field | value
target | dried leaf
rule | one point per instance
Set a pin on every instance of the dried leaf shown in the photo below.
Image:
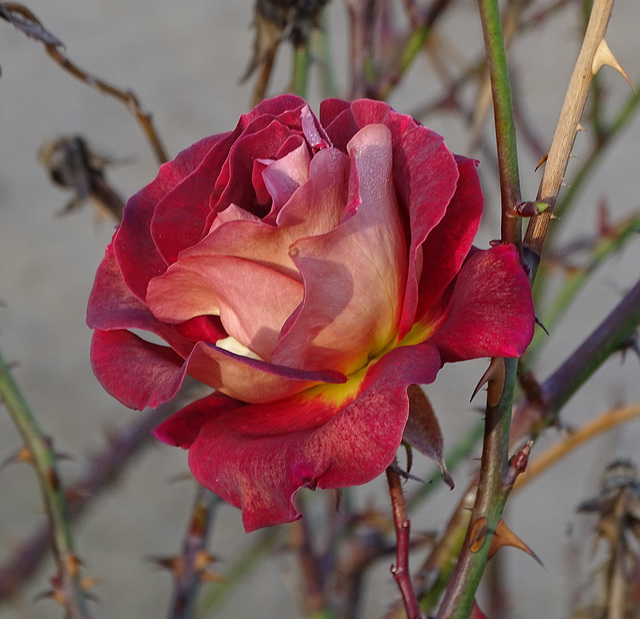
(423, 430)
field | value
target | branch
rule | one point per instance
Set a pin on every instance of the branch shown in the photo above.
(68, 586)
(567, 128)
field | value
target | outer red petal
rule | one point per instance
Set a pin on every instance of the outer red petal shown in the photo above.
(134, 247)
(257, 456)
(491, 310)
(112, 306)
(135, 372)
(449, 242)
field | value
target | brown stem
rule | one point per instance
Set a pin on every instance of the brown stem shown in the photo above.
(567, 128)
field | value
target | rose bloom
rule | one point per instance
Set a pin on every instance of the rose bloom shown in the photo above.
(309, 270)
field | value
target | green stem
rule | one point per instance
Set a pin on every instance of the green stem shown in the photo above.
(301, 58)
(504, 121)
(489, 505)
(44, 461)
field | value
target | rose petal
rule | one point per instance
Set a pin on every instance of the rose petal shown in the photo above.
(134, 247)
(285, 175)
(449, 242)
(250, 379)
(424, 172)
(491, 310)
(257, 457)
(112, 306)
(137, 373)
(354, 274)
(252, 300)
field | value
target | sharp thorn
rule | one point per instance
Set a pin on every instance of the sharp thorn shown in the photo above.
(544, 158)
(539, 323)
(604, 56)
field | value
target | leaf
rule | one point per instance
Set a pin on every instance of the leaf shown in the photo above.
(423, 430)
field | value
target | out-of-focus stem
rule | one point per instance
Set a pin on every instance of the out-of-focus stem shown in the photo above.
(300, 82)
(68, 584)
(194, 559)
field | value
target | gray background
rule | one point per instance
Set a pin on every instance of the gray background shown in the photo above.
(184, 60)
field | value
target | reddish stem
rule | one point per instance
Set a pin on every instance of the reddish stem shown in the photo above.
(400, 570)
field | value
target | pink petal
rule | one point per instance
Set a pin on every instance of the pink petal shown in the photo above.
(252, 300)
(424, 172)
(257, 457)
(491, 310)
(354, 275)
(284, 176)
(243, 269)
(252, 380)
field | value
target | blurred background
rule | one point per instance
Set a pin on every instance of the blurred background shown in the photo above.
(184, 61)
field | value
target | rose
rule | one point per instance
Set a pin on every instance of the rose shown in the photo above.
(310, 271)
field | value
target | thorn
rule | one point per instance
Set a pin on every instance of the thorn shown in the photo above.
(539, 323)
(604, 56)
(504, 536)
(22, 455)
(173, 564)
(494, 378)
(579, 127)
(543, 160)
(405, 474)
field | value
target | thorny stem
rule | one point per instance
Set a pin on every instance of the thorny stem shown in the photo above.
(68, 583)
(102, 471)
(493, 489)
(603, 423)
(608, 337)
(400, 570)
(194, 559)
(568, 125)
(490, 501)
(505, 124)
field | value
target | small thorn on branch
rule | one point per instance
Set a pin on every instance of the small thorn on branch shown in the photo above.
(494, 378)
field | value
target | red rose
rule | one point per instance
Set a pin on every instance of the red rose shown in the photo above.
(309, 271)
